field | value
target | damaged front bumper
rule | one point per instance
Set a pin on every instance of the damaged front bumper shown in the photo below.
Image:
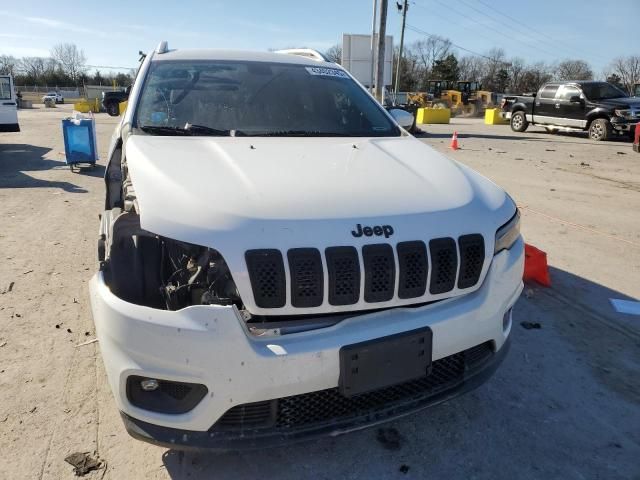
(211, 346)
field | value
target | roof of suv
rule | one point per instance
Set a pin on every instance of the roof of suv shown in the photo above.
(239, 55)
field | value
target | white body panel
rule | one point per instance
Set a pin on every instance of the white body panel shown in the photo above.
(211, 344)
(236, 194)
(8, 104)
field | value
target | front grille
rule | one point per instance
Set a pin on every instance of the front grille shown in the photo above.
(266, 272)
(444, 259)
(471, 259)
(379, 272)
(247, 415)
(413, 263)
(329, 406)
(344, 275)
(445, 263)
(307, 281)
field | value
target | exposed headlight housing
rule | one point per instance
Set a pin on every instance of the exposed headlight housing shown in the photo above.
(626, 113)
(507, 234)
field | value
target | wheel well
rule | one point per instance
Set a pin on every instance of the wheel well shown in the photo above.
(595, 117)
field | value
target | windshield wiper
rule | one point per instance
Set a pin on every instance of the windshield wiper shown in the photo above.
(188, 129)
(297, 133)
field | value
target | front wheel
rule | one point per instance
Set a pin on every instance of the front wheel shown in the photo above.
(600, 129)
(519, 122)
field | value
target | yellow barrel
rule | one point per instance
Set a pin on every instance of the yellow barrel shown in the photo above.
(122, 106)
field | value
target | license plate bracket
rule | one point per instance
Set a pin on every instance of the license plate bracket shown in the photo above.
(385, 361)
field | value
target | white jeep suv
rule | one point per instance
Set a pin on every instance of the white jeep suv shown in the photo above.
(279, 259)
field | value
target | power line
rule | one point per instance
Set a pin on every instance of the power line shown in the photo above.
(543, 36)
(508, 37)
(440, 39)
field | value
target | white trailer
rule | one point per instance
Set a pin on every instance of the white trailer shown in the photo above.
(8, 105)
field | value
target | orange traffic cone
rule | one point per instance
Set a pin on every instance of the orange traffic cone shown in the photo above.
(454, 141)
(535, 265)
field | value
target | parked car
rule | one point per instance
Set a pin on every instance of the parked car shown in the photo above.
(8, 105)
(599, 108)
(111, 100)
(279, 259)
(56, 96)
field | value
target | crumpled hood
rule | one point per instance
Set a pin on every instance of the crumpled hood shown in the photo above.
(240, 193)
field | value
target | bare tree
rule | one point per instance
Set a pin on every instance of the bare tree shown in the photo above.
(573, 70)
(628, 69)
(71, 59)
(334, 53)
(471, 68)
(8, 64)
(516, 70)
(33, 67)
(427, 52)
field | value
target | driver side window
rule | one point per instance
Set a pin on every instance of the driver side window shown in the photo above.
(567, 92)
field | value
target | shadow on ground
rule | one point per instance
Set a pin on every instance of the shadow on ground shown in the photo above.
(18, 159)
(541, 137)
(569, 389)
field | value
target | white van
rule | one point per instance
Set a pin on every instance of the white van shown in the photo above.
(8, 105)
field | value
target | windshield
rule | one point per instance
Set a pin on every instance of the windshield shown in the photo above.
(601, 91)
(257, 99)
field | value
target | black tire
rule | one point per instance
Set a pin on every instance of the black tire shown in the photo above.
(600, 130)
(519, 122)
(62, 101)
(112, 109)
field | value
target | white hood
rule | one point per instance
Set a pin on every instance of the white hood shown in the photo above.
(239, 193)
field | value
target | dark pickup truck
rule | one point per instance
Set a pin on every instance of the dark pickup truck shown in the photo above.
(596, 107)
(112, 100)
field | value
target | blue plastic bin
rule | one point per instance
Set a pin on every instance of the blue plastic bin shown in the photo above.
(80, 141)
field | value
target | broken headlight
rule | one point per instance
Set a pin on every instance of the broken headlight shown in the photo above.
(195, 275)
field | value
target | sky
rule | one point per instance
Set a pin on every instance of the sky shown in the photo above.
(111, 33)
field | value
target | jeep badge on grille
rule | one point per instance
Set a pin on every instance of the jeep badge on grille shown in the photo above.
(377, 230)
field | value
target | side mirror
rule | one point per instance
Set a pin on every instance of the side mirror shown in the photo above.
(402, 117)
(575, 99)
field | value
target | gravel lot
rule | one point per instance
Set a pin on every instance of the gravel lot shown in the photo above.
(565, 404)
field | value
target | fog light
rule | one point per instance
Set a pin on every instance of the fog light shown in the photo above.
(162, 395)
(506, 320)
(149, 384)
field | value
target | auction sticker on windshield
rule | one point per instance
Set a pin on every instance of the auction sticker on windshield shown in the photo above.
(327, 72)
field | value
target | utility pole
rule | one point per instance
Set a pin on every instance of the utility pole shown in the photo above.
(382, 33)
(404, 21)
(373, 45)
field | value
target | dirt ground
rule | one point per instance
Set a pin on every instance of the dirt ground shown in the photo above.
(565, 404)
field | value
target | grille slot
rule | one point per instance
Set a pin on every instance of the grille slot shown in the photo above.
(266, 272)
(344, 275)
(176, 390)
(330, 407)
(248, 415)
(379, 272)
(413, 265)
(471, 259)
(307, 279)
(444, 260)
